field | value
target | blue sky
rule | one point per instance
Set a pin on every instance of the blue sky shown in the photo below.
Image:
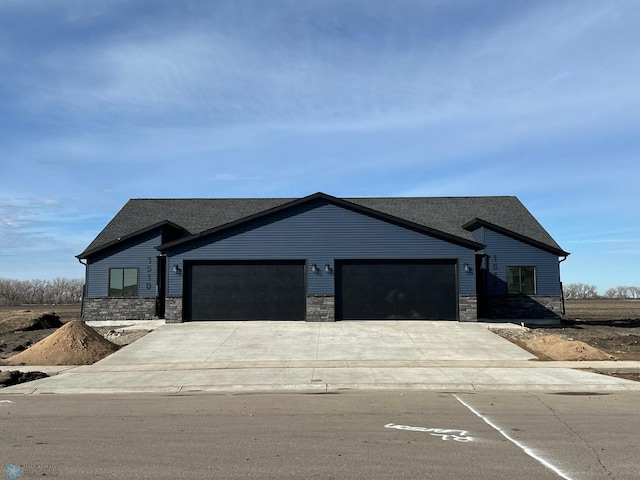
(102, 101)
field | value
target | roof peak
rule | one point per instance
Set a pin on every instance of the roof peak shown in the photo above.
(445, 215)
(318, 194)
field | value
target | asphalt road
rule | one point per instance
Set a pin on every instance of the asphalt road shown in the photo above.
(326, 436)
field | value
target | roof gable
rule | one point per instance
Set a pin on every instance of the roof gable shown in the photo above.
(454, 214)
(90, 250)
(190, 215)
(335, 201)
(449, 218)
(478, 223)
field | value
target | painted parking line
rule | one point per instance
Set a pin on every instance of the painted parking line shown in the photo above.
(517, 443)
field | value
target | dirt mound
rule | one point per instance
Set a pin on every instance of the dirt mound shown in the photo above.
(48, 320)
(556, 348)
(73, 344)
(15, 377)
(27, 320)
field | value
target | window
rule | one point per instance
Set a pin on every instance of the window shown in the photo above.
(521, 280)
(123, 282)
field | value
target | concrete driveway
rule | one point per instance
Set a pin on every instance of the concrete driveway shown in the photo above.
(236, 356)
(282, 342)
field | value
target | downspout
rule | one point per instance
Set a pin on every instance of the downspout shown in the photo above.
(84, 288)
(560, 280)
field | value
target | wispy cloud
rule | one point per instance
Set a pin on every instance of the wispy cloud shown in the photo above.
(106, 100)
(20, 226)
(323, 74)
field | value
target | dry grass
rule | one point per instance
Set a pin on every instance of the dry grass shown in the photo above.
(602, 310)
(11, 317)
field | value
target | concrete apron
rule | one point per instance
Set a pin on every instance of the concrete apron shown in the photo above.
(322, 357)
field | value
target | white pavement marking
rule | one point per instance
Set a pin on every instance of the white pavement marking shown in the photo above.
(444, 433)
(524, 448)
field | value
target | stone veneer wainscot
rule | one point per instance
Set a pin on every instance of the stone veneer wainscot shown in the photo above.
(119, 308)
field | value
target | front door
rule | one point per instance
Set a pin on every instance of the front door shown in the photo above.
(160, 282)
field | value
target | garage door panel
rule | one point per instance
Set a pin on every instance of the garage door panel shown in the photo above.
(245, 291)
(396, 290)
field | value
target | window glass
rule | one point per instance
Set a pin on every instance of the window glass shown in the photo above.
(123, 282)
(521, 280)
(130, 283)
(528, 280)
(115, 282)
(513, 280)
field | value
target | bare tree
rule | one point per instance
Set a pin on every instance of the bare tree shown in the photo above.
(9, 292)
(579, 291)
(623, 293)
(57, 291)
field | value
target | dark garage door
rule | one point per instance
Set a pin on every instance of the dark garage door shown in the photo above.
(396, 290)
(244, 291)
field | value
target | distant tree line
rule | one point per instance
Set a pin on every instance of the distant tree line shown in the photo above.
(66, 290)
(56, 291)
(582, 291)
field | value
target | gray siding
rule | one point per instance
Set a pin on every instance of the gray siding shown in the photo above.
(319, 232)
(138, 253)
(504, 252)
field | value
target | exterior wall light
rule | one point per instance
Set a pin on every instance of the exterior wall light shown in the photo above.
(315, 269)
(176, 269)
(328, 269)
(467, 268)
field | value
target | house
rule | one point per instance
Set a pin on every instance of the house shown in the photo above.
(322, 258)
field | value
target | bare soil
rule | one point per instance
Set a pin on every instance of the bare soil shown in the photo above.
(602, 310)
(52, 335)
(14, 377)
(590, 330)
(22, 327)
(75, 343)
(610, 328)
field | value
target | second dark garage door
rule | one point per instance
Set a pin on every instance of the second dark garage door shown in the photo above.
(396, 289)
(262, 290)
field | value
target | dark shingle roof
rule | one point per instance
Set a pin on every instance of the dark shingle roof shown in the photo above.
(445, 214)
(451, 214)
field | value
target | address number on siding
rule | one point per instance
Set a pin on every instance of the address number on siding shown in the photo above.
(149, 270)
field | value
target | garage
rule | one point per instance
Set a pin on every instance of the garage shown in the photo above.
(396, 289)
(251, 290)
